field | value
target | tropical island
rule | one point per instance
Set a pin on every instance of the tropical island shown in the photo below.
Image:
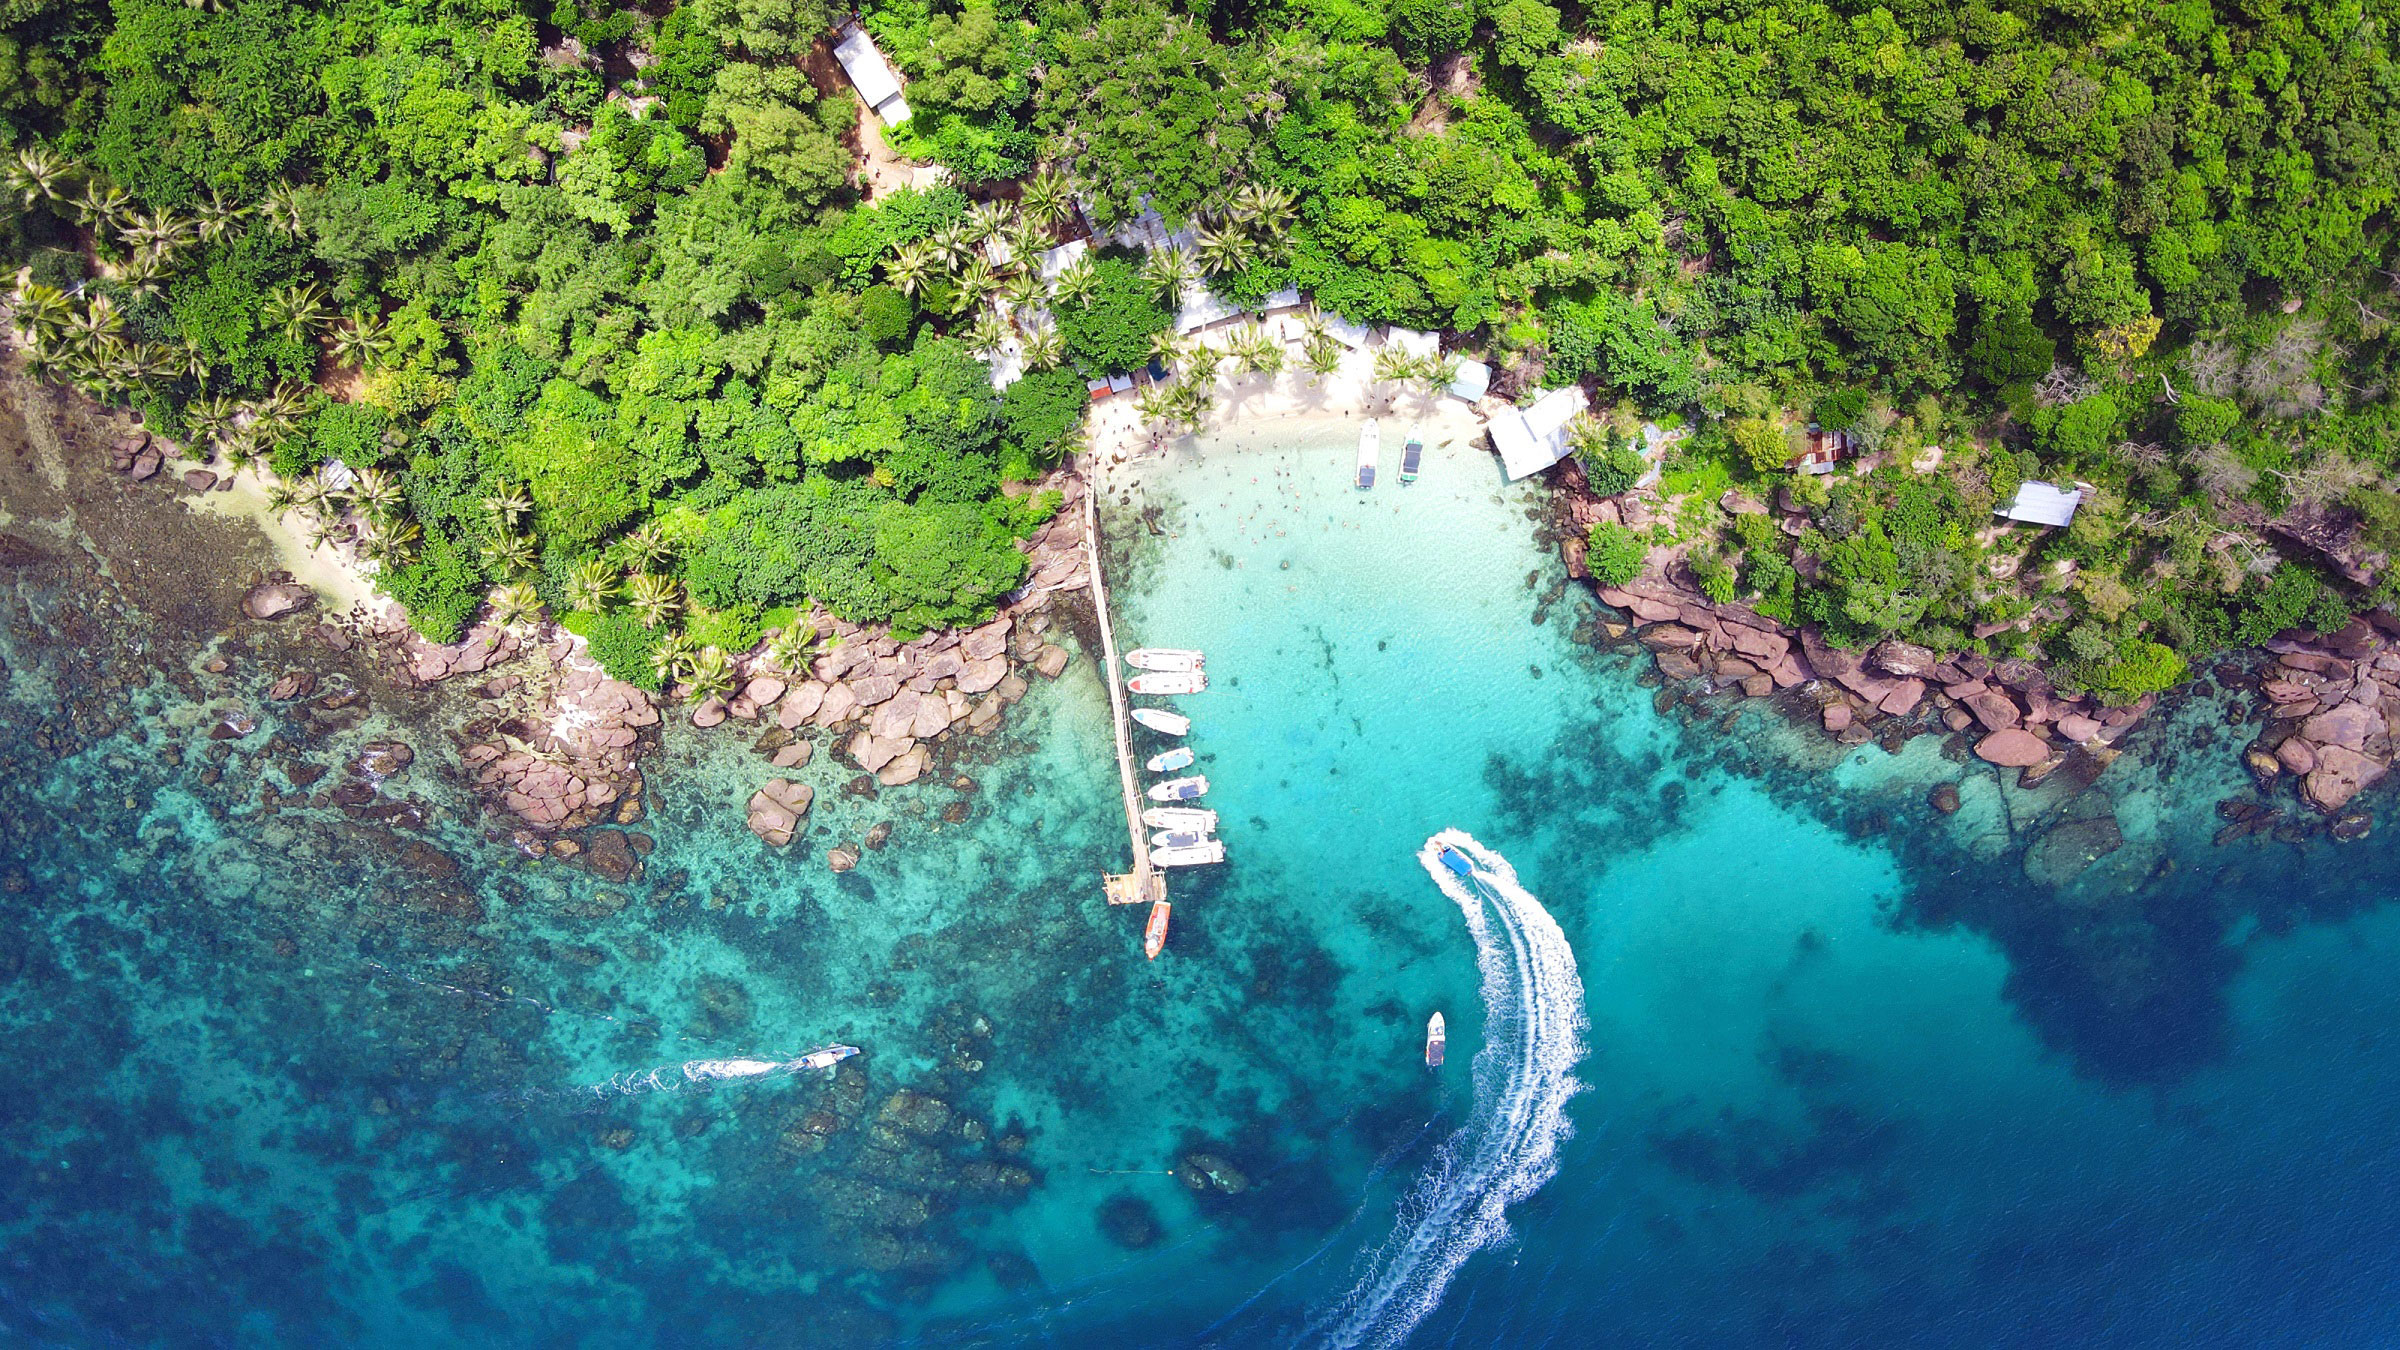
(714, 327)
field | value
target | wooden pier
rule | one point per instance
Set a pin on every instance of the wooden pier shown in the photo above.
(1144, 884)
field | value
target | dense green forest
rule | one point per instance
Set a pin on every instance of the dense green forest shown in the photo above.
(594, 296)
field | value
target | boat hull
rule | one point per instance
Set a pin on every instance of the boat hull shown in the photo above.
(1179, 789)
(1169, 761)
(1163, 722)
(1437, 1041)
(1191, 855)
(1154, 934)
(1180, 818)
(1168, 682)
(1164, 658)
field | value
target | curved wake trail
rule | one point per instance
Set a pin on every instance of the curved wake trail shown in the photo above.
(1507, 1150)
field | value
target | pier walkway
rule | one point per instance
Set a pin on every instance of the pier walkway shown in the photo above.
(1144, 884)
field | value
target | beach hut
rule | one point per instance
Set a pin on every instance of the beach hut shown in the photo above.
(1422, 346)
(1473, 381)
(873, 76)
(1532, 439)
(2045, 503)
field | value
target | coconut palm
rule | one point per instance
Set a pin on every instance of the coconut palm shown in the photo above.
(654, 599)
(362, 342)
(515, 605)
(373, 492)
(670, 658)
(1044, 348)
(100, 203)
(591, 585)
(299, 310)
(98, 321)
(910, 266)
(953, 243)
(1256, 353)
(1025, 292)
(285, 402)
(1436, 375)
(1048, 197)
(1026, 242)
(282, 498)
(143, 273)
(1157, 404)
(1076, 283)
(508, 505)
(282, 208)
(1194, 401)
(1266, 209)
(389, 540)
(646, 548)
(710, 674)
(158, 230)
(1167, 272)
(1313, 324)
(509, 552)
(1169, 348)
(206, 420)
(788, 649)
(978, 281)
(1394, 366)
(988, 335)
(35, 174)
(192, 360)
(1223, 250)
(985, 220)
(216, 217)
(42, 309)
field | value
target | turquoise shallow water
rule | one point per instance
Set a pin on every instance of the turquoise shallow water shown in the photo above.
(1853, 1077)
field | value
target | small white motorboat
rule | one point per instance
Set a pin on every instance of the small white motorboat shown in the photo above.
(1168, 761)
(827, 1057)
(1165, 658)
(1180, 818)
(1437, 1041)
(1163, 722)
(1192, 856)
(1179, 838)
(1168, 682)
(1179, 789)
(1370, 445)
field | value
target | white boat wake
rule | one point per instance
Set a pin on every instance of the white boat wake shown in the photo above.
(707, 1073)
(1507, 1150)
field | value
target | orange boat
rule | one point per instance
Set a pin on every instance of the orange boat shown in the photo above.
(1154, 937)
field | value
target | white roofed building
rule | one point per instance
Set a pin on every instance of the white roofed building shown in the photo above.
(1534, 438)
(2040, 503)
(877, 84)
(1473, 380)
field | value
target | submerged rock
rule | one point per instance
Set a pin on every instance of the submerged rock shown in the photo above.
(2012, 748)
(276, 598)
(775, 810)
(2062, 855)
(1209, 1172)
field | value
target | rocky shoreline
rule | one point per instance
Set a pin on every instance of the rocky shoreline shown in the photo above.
(2327, 702)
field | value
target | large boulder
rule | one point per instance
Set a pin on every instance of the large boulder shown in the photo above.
(1905, 659)
(763, 690)
(2012, 748)
(2345, 724)
(2341, 773)
(776, 809)
(1994, 709)
(276, 599)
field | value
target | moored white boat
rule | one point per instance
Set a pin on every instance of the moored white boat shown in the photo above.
(1167, 761)
(1178, 838)
(1437, 1040)
(1179, 789)
(1180, 818)
(1370, 445)
(1165, 658)
(1168, 682)
(1163, 722)
(1412, 454)
(1194, 855)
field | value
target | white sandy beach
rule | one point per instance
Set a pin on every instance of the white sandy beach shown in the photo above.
(338, 583)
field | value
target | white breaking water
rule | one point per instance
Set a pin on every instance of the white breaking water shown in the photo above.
(1507, 1150)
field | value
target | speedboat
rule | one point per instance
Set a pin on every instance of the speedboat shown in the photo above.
(1179, 789)
(1370, 443)
(1154, 934)
(1436, 1040)
(1179, 818)
(1457, 862)
(1178, 838)
(1189, 855)
(1168, 682)
(827, 1057)
(1165, 658)
(1411, 455)
(1167, 761)
(1163, 722)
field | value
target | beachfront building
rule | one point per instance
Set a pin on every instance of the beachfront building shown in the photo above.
(873, 76)
(1820, 452)
(1473, 381)
(1532, 439)
(2039, 503)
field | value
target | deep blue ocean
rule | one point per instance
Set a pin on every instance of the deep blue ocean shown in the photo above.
(1852, 1071)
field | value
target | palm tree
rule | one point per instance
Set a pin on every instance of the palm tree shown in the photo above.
(1437, 374)
(206, 420)
(1313, 324)
(1169, 348)
(143, 273)
(217, 217)
(654, 599)
(1157, 404)
(1394, 366)
(1026, 242)
(362, 342)
(1267, 209)
(909, 267)
(373, 492)
(1048, 197)
(1224, 250)
(509, 552)
(157, 229)
(299, 310)
(515, 605)
(1255, 353)
(646, 548)
(711, 673)
(988, 335)
(194, 361)
(99, 321)
(1077, 282)
(669, 658)
(389, 541)
(35, 174)
(1322, 356)
(1044, 348)
(1024, 292)
(99, 204)
(985, 220)
(41, 308)
(282, 498)
(1168, 273)
(591, 585)
(953, 242)
(507, 505)
(282, 208)
(978, 282)
(788, 650)
(1194, 401)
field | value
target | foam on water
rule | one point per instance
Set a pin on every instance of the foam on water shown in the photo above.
(1524, 1076)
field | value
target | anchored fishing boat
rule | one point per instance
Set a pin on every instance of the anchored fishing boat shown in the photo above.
(1168, 682)
(1180, 818)
(1167, 761)
(1179, 838)
(1189, 855)
(1411, 455)
(1179, 789)
(1437, 1038)
(1165, 658)
(1370, 444)
(1154, 935)
(1163, 722)
(827, 1057)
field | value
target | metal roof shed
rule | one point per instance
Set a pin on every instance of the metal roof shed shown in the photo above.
(2040, 503)
(872, 74)
(1532, 439)
(1474, 378)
